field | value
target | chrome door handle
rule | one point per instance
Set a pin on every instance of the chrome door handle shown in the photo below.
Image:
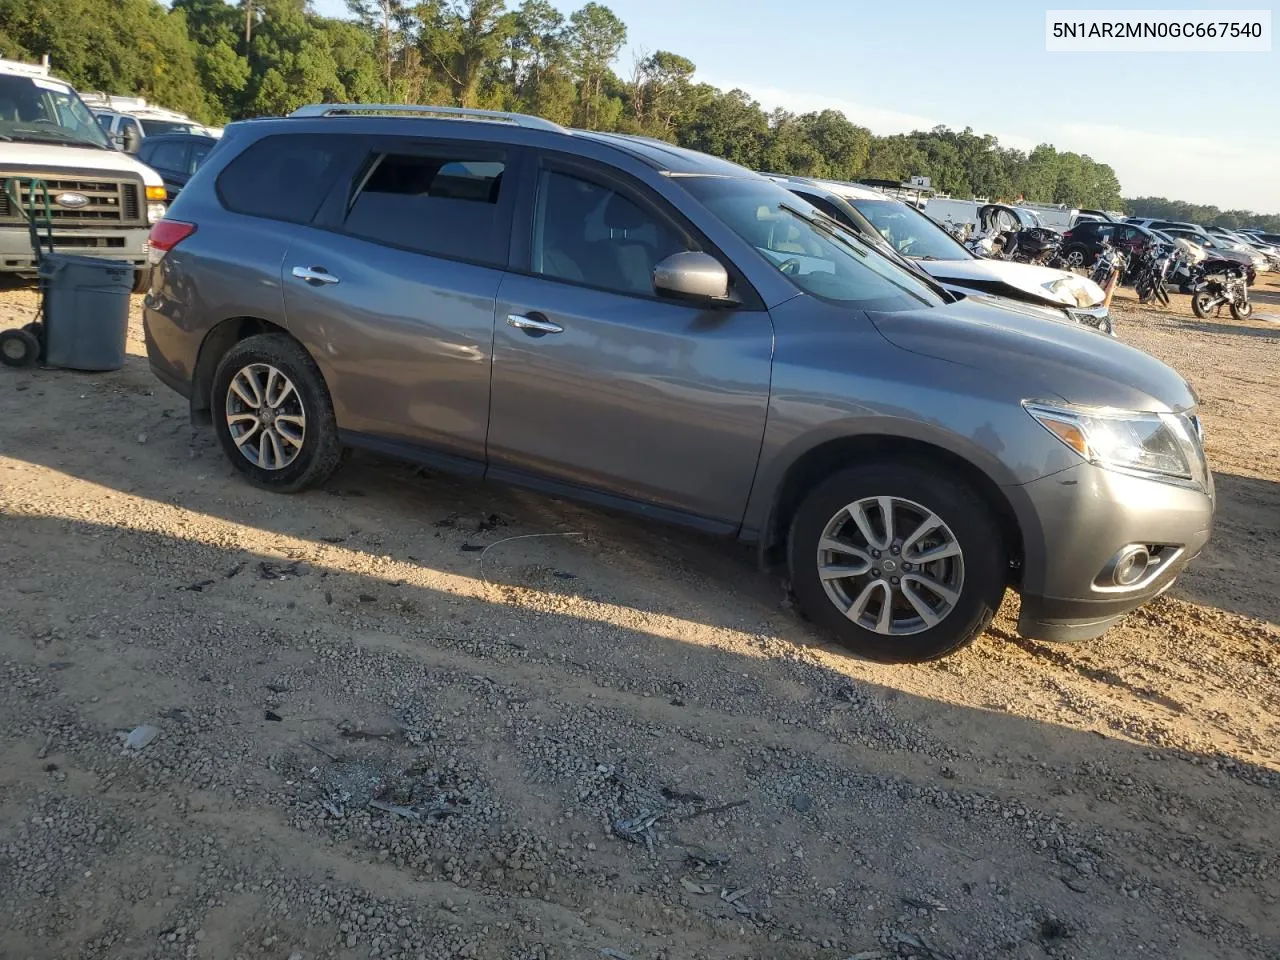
(533, 324)
(314, 275)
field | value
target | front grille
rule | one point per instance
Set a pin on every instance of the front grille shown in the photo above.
(110, 202)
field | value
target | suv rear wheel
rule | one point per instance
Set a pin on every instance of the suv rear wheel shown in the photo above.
(273, 416)
(900, 564)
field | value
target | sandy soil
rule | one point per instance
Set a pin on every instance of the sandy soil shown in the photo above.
(607, 739)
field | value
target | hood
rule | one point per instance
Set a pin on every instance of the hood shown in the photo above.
(1062, 359)
(1069, 289)
(53, 157)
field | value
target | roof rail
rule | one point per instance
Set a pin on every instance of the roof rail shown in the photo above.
(451, 113)
(26, 69)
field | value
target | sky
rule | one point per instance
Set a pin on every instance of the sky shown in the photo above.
(1200, 127)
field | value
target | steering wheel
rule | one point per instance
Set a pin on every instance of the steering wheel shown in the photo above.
(45, 120)
(790, 267)
(905, 246)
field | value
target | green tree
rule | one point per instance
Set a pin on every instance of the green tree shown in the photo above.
(388, 22)
(595, 36)
(461, 38)
(729, 125)
(659, 93)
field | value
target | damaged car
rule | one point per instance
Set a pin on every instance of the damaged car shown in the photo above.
(914, 236)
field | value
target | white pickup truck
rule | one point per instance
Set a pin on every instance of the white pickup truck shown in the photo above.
(103, 201)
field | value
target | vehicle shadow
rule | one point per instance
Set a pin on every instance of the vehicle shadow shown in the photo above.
(1268, 295)
(200, 631)
(126, 432)
(137, 439)
(1237, 570)
(1227, 325)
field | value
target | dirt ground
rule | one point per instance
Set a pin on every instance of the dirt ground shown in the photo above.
(386, 726)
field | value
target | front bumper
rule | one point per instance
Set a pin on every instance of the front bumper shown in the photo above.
(1084, 516)
(1098, 317)
(127, 244)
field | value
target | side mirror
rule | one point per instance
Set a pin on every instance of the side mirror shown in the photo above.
(130, 139)
(693, 275)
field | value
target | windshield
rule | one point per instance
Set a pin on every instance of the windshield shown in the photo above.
(819, 255)
(45, 111)
(157, 128)
(910, 232)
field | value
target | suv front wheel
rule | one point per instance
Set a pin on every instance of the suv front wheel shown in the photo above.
(273, 416)
(899, 563)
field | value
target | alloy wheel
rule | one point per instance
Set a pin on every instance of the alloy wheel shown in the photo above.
(890, 565)
(265, 416)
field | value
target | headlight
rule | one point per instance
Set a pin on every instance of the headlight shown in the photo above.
(1072, 290)
(155, 212)
(1161, 446)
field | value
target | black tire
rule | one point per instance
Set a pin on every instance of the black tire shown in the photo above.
(1076, 256)
(964, 511)
(19, 348)
(1242, 311)
(320, 452)
(1200, 305)
(141, 280)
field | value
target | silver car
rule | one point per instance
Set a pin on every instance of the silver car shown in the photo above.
(653, 329)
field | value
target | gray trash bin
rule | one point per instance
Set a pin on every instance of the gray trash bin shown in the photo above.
(86, 311)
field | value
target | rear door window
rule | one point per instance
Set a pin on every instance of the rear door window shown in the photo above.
(198, 152)
(283, 177)
(444, 202)
(168, 156)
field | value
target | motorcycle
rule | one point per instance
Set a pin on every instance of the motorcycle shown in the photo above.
(1150, 273)
(1006, 235)
(1038, 245)
(960, 231)
(1035, 245)
(1111, 262)
(1220, 283)
(987, 247)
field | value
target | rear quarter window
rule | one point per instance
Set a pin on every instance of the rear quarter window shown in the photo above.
(443, 203)
(282, 177)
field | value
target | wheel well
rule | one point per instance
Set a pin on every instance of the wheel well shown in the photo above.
(825, 459)
(216, 343)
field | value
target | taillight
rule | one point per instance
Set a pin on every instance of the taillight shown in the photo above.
(166, 235)
(1067, 235)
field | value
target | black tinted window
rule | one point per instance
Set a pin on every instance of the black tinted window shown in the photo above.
(158, 128)
(198, 152)
(282, 177)
(444, 205)
(829, 208)
(590, 234)
(167, 156)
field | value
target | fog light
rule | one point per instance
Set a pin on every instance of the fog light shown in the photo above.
(1130, 566)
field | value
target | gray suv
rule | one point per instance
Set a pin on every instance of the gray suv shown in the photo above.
(645, 327)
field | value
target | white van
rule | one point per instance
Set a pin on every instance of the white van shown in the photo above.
(102, 201)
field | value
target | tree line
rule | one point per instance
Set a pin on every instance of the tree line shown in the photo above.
(218, 60)
(1201, 213)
